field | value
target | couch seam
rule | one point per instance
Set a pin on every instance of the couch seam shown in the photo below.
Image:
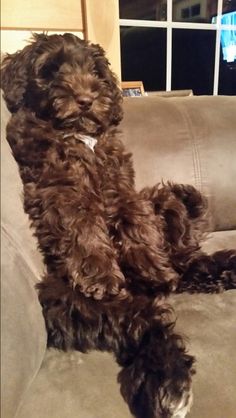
(16, 244)
(197, 168)
(29, 385)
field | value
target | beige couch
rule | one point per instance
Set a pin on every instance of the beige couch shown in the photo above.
(189, 140)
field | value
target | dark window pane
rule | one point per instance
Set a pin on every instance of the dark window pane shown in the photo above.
(227, 79)
(143, 9)
(193, 55)
(185, 13)
(229, 6)
(194, 11)
(143, 56)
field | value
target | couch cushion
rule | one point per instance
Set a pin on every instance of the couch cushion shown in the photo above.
(186, 140)
(75, 385)
(219, 240)
(208, 322)
(79, 385)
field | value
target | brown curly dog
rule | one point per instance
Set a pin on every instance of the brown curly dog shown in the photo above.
(111, 253)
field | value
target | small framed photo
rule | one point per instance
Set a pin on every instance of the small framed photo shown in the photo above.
(132, 88)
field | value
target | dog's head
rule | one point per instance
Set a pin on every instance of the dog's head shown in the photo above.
(64, 79)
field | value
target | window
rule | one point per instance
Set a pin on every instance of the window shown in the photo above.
(179, 44)
(185, 13)
(196, 10)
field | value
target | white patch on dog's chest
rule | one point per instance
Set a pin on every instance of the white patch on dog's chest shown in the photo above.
(86, 139)
(89, 141)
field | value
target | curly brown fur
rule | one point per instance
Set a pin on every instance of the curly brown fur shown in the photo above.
(111, 253)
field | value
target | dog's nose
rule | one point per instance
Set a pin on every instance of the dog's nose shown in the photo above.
(85, 102)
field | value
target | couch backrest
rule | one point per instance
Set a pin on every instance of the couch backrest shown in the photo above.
(183, 139)
(186, 140)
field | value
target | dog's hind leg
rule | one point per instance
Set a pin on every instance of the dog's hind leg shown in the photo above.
(210, 273)
(157, 383)
(156, 370)
(183, 210)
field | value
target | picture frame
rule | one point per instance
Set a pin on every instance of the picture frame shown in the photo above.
(132, 88)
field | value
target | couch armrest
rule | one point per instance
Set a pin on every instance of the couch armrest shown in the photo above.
(23, 329)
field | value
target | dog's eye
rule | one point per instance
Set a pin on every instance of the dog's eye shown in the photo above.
(95, 73)
(49, 70)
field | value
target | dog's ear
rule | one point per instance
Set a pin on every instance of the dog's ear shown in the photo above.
(15, 70)
(14, 79)
(102, 63)
(48, 64)
(103, 68)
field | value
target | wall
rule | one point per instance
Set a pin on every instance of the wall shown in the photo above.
(102, 25)
(82, 17)
(12, 40)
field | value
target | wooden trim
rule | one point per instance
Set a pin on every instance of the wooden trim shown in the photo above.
(14, 40)
(85, 19)
(40, 29)
(42, 14)
(101, 25)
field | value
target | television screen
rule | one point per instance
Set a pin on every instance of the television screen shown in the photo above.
(228, 37)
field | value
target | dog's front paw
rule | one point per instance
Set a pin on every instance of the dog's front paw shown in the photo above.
(98, 278)
(99, 291)
(100, 287)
